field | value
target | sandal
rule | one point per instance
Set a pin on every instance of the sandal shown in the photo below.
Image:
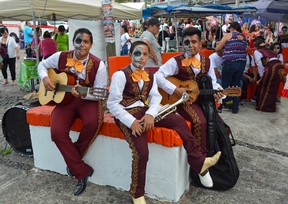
(5, 83)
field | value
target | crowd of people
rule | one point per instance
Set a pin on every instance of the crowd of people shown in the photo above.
(47, 44)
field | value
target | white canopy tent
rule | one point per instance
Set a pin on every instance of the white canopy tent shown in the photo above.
(27, 10)
(63, 9)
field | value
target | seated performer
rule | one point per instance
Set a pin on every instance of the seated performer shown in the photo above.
(184, 67)
(272, 72)
(129, 90)
(88, 71)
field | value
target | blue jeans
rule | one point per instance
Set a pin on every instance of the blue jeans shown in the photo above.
(124, 50)
(231, 76)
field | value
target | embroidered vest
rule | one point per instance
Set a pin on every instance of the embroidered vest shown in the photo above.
(92, 66)
(131, 92)
(186, 73)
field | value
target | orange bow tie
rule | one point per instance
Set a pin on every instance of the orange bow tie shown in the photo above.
(78, 66)
(191, 61)
(137, 75)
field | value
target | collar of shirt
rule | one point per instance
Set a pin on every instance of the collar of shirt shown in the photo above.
(83, 61)
(134, 68)
(197, 56)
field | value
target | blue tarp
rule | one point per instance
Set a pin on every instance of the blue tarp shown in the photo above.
(188, 11)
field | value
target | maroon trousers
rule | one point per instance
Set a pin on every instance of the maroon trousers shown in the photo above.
(140, 152)
(91, 113)
(194, 114)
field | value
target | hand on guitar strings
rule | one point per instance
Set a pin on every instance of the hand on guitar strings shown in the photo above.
(76, 93)
(218, 94)
(49, 86)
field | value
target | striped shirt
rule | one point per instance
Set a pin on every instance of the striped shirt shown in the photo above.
(235, 49)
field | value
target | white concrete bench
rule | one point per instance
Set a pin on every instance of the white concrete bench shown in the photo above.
(110, 156)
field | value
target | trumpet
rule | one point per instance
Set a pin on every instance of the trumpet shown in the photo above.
(170, 108)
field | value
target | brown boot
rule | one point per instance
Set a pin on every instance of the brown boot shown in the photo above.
(210, 161)
(140, 200)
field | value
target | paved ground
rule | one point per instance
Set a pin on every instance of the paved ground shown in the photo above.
(261, 153)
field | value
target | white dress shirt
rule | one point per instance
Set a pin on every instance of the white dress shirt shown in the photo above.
(116, 95)
(216, 62)
(52, 62)
(170, 68)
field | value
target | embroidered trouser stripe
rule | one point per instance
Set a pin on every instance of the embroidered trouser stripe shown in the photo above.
(194, 114)
(140, 152)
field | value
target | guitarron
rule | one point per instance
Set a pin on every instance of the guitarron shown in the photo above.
(219, 137)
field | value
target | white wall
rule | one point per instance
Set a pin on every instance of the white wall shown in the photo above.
(96, 27)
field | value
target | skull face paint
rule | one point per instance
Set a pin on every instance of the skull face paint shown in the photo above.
(78, 42)
(191, 45)
(137, 56)
(187, 46)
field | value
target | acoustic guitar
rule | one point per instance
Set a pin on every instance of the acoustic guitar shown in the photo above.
(193, 91)
(63, 85)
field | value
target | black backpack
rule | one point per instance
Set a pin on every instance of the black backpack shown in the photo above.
(219, 137)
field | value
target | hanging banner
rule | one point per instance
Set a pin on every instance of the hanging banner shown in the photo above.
(108, 21)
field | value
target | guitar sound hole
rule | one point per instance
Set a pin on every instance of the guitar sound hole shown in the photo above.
(57, 86)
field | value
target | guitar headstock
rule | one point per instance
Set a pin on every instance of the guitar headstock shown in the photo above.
(100, 93)
(232, 91)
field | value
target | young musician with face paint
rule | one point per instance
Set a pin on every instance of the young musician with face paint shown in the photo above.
(88, 71)
(186, 67)
(129, 91)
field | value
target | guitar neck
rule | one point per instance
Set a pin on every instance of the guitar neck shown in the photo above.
(68, 88)
(207, 91)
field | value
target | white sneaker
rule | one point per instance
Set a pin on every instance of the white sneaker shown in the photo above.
(206, 180)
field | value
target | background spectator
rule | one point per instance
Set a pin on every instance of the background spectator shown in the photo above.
(62, 39)
(234, 59)
(125, 40)
(33, 44)
(283, 37)
(12, 51)
(47, 46)
(28, 37)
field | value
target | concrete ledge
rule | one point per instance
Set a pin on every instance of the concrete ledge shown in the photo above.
(167, 171)
(110, 156)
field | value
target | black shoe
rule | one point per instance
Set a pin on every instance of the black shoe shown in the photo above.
(81, 185)
(235, 111)
(69, 172)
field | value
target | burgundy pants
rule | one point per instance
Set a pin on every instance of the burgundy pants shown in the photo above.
(139, 147)
(63, 116)
(194, 114)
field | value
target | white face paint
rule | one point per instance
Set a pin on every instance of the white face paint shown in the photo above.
(137, 56)
(78, 42)
(187, 46)
(277, 49)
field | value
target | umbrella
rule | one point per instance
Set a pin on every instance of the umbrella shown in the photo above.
(269, 10)
(278, 6)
